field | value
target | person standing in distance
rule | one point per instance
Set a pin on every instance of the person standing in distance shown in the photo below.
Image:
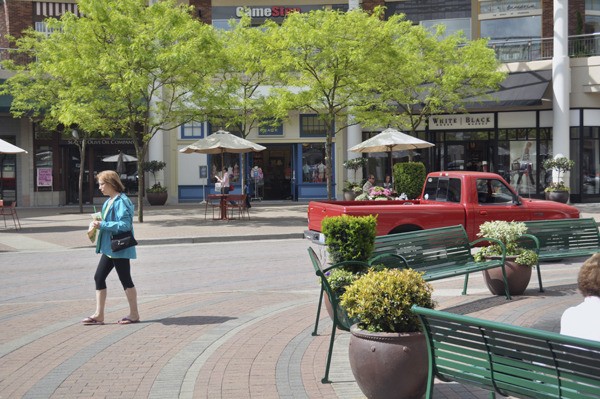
(582, 321)
(117, 217)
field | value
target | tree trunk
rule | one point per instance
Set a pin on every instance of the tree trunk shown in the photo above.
(81, 172)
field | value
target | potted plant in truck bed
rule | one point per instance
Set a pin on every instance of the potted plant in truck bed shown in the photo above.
(388, 352)
(519, 260)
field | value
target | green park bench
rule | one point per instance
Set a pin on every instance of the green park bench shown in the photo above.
(439, 253)
(564, 238)
(509, 360)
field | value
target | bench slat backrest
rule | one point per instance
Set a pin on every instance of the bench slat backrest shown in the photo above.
(565, 234)
(510, 360)
(425, 248)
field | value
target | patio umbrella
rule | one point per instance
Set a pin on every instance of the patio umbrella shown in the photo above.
(8, 148)
(391, 140)
(221, 142)
(120, 159)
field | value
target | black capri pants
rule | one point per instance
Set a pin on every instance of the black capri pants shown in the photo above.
(105, 266)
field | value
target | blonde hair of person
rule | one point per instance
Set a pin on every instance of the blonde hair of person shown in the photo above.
(112, 178)
(588, 279)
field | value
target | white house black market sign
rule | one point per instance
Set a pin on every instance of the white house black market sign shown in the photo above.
(473, 121)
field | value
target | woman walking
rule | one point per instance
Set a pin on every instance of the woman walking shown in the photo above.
(117, 217)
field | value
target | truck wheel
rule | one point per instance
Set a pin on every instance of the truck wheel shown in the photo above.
(405, 229)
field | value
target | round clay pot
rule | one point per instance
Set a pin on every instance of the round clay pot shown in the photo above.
(559, 196)
(517, 276)
(157, 198)
(389, 365)
(349, 196)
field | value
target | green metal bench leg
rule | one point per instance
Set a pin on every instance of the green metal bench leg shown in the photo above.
(314, 333)
(539, 273)
(466, 283)
(325, 379)
(506, 291)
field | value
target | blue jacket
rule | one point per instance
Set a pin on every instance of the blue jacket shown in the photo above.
(119, 219)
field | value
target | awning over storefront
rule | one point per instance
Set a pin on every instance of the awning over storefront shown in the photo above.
(519, 89)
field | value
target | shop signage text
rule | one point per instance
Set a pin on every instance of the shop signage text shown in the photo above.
(475, 121)
(265, 12)
(100, 141)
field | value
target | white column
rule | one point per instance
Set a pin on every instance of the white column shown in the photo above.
(354, 137)
(561, 80)
(156, 153)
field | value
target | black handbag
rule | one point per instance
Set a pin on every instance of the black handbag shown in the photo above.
(121, 241)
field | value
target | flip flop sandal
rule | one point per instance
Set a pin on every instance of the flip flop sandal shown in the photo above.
(127, 320)
(90, 321)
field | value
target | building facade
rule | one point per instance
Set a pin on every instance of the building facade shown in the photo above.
(511, 136)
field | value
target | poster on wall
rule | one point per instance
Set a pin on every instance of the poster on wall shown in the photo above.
(44, 177)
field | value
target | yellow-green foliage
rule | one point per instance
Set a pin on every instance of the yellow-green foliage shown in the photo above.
(381, 300)
(349, 237)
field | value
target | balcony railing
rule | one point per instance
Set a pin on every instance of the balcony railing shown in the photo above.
(513, 50)
(542, 49)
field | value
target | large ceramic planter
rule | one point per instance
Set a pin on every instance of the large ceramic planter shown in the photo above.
(349, 195)
(157, 198)
(389, 365)
(517, 276)
(558, 196)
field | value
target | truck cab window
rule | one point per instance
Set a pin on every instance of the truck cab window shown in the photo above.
(493, 191)
(443, 189)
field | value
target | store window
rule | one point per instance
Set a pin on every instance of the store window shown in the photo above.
(512, 28)
(193, 130)
(313, 163)
(43, 168)
(311, 125)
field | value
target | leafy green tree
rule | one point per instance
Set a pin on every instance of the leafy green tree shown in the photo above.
(124, 68)
(421, 73)
(245, 101)
(322, 58)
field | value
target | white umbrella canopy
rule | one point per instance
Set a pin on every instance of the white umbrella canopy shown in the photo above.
(221, 142)
(123, 157)
(120, 159)
(8, 148)
(391, 140)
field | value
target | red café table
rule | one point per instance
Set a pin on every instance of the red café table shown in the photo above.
(222, 204)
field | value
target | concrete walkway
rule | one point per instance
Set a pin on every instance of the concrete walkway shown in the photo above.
(216, 343)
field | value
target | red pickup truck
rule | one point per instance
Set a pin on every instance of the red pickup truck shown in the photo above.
(448, 198)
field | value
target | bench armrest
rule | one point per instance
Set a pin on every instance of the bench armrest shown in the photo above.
(536, 241)
(358, 264)
(491, 241)
(378, 258)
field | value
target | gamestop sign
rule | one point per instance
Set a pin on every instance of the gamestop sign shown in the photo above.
(265, 12)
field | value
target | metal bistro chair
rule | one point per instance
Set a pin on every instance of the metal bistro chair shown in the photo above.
(213, 202)
(12, 211)
(338, 315)
(239, 204)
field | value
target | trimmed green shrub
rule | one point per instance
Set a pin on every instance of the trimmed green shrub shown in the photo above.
(381, 300)
(349, 237)
(409, 178)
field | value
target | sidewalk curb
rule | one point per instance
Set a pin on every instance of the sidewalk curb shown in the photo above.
(203, 240)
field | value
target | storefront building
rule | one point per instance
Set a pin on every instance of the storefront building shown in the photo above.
(493, 136)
